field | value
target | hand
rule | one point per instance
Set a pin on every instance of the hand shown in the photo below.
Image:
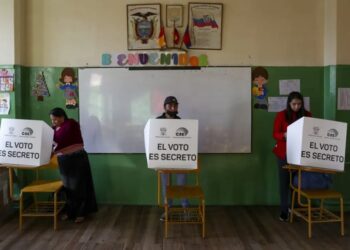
(54, 145)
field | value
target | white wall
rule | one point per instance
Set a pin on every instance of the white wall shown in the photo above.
(20, 31)
(7, 45)
(330, 32)
(255, 32)
(343, 31)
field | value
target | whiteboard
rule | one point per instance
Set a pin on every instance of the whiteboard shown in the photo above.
(115, 104)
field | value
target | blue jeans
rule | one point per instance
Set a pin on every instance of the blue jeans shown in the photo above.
(180, 180)
(284, 186)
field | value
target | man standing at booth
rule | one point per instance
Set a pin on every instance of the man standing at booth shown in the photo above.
(170, 112)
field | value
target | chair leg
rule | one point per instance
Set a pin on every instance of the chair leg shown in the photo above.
(158, 188)
(35, 200)
(309, 217)
(292, 208)
(321, 209)
(55, 211)
(20, 211)
(341, 217)
(203, 219)
(166, 220)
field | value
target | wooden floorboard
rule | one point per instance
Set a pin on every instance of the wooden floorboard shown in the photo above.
(138, 227)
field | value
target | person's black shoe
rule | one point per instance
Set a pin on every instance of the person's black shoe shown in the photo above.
(284, 217)
(162, 217)
(256, 105)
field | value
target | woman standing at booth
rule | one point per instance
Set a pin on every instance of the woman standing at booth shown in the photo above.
(295, 110)
(74, 167)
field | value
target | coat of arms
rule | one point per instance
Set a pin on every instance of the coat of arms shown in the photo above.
(143, 26)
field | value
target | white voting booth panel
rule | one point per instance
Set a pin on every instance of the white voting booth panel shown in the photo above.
(25, 142)
(317, 143)
(171, 143)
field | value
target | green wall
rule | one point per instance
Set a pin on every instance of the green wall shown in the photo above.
(341, 79)
(227, 179)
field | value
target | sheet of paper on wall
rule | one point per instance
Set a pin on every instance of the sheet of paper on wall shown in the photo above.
(343, 98)
(277, 104)
(4, 103)
(6, 79)
(287, 86)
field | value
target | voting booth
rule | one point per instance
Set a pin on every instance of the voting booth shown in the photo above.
(25, 142)
(317, 143)
(171, 143)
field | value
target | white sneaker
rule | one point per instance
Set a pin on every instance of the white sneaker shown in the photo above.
(284, 217)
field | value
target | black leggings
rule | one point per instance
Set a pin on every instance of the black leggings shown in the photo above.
(78, 184)
(284, 186)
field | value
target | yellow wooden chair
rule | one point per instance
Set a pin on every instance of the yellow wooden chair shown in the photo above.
(308, 211)
(181, 215)
(41, 208)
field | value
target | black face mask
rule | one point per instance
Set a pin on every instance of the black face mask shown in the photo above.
(172, 114)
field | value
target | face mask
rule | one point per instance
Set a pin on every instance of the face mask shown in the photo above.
(172, 114)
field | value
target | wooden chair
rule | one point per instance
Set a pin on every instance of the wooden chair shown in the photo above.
(194, 172)
(39, 186)
(183, 215)
(308, 211)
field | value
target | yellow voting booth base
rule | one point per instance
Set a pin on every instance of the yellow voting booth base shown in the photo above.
(38, 208)
(308, 211)
(183, 215)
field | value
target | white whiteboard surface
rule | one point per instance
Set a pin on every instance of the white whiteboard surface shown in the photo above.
(115, 104)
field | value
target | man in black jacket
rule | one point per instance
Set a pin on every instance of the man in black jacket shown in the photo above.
(170, 112)
(170, 108)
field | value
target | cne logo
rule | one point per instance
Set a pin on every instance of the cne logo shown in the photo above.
(11, 130)
(27, 131)
(163, 131)
(316, 130)
(181, 131)
(332, 133)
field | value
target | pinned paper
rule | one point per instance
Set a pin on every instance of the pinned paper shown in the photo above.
(287, 86)
(6, 79)
(277, 104)
(4, 103)
(343, 98)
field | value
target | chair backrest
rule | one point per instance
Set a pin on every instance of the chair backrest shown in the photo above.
(303, 177)
(52, 165)
(195, 172)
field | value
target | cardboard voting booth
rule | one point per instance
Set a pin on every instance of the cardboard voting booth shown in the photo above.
(25, 142)
(171, 143)
(317, 143)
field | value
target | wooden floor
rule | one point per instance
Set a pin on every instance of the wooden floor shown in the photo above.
(138, 227)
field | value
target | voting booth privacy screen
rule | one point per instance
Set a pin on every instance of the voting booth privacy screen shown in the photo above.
(116, 103)
(25, 142)
(171, 143)
(317, 143)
